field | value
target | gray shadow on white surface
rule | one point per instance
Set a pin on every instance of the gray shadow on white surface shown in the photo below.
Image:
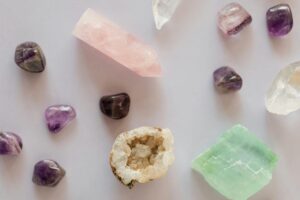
(66, 133)
(109, 77)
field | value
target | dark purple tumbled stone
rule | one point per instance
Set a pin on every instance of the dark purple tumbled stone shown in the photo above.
(30, 57)
(47, 173)
(227, 80)
(115, 106)
(10, 144)
(58, 116)
(279, 20)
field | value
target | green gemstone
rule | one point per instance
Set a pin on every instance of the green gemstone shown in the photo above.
(238, 166)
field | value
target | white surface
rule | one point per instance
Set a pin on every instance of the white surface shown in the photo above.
(190, 48)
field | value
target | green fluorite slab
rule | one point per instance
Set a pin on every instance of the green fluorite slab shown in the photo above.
(238, 166)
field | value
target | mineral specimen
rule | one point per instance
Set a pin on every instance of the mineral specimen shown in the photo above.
(163, 11)
(233, 18)
(238, 166)
(142, 155)
(30, 57)
(227, 80)
(47, 173)
(279, 20)
(115, 106)
(58, 116)
(10, 144)
(283, 97)
(117, 44)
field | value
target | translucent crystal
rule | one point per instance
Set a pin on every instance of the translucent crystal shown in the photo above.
(163, 11)
(283, 97)
(238, 166)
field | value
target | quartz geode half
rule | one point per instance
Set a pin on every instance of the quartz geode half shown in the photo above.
(142, 155)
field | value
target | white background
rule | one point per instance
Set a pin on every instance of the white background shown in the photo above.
(190, 48)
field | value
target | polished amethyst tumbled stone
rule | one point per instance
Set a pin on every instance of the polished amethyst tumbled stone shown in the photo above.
(10, 144)
(227, 80)
(58, 116)
(115, 106)
(30, 57)
(47, 173)
(279, 20)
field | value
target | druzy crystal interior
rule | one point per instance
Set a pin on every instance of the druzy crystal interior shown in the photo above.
(227, 80)
(30, 57)
(233, 18)
(279, 20)
(115, 106)
(47, 173)
(163, 11)
(238, 165)
(58, 116)
(10, 143)
(117, 44)
(283, 96)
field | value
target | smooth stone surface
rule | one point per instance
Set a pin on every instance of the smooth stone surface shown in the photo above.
(283, 97)
(280, 20)
(30, 57)
(10, 144)
(119, 45)
(115, 106)
(227, 80)
(47, 173)
(163, 10)
(233, 18)
(238, 166)
(59, 116)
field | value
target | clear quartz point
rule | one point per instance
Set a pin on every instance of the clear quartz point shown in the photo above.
(163, 11)
(283, 97)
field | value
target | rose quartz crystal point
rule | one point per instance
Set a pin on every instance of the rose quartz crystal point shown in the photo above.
(117, 44)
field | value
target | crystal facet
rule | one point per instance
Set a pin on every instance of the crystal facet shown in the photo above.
(227, 80)
(283, 97)
(233, 18)
(58, 116)
(47, 173)
(279, 20)
(115, 106)
(117, 44)
(10, 143)
(30, 57)
(238, 166)
(163, 11)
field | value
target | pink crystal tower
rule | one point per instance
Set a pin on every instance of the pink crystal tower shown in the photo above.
(117, 44)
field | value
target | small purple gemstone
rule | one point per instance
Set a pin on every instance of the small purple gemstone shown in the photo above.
(115, 106)
(58, 116)
(10, 144)
(279, 20)
(227, 80)
(47, 173)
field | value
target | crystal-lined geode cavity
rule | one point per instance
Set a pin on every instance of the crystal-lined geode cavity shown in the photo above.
(238, 165)
(10, 143)
(227, 80)
(47, 173)
(233, 18)
(115, 106)
(59, 116)
(283, 96)
(142, 155)
(30, 57)
(280, 20)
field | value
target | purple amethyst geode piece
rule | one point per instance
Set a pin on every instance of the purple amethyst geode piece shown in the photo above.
(59, 116)
(10, 143)
(47, 173)
(227, 80)
(279, 20)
